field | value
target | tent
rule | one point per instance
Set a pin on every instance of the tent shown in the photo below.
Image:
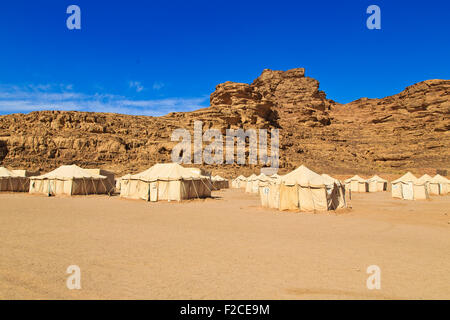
(239, 182)
(249, 184)
(119, 181)
(12, 182)
(263, 185)
(377, 184)
(25, 173)
(439, 185)
(356, 184)
(270, 192)
(341, 202)
(166, 181)
(69, 180)
(305, 190)
(108, 174)
(408, 187)
(219, 183)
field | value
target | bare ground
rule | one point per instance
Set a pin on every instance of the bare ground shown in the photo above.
(223, 248)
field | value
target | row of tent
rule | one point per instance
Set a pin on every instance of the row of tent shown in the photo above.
(305, 190)
(358, 184)
(160, 182)
(409, 187)
(301, 189)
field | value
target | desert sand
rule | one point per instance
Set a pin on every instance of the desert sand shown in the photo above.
(227, 247)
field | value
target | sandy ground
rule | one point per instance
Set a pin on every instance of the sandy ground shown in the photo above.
(222, 248)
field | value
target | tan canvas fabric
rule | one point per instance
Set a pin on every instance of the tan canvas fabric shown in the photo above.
(377, 184)
(110, 181)
(408, 187)
(12, 182)
(305, 190)
(249, 184)
(439, 185)
(357, 184)
(288, 197)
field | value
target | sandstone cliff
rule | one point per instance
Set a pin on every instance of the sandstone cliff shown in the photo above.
(405, 131)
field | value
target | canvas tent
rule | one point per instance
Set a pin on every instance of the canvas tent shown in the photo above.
(219, 182)
(356, 184)
(69, 180)
(340, 202)
(305, 190)
(25, 173)
(250, 182)
(408, 187)
(239, 182)
(166, 181)
(270, 192)
(110, 181)
(119, 181)
(377, 184)
(12, 182)
(439, 185)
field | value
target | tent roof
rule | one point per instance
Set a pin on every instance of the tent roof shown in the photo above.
(69, 172)
(166, 172)
(424, 178)
(217, 178)
(407, 177)
(331, 179)
(357, 178)
(377, 178)
(6, 173)
(252, 177)
(125, 177)
(439, 179)
(305, 177)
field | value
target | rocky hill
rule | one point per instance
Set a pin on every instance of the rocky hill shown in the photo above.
(410, 130)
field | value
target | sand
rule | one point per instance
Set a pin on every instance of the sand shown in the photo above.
(222, 248)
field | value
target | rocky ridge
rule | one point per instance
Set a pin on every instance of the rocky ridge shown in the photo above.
(404, 131)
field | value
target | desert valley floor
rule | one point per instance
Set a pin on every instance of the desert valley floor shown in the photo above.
(227, 247)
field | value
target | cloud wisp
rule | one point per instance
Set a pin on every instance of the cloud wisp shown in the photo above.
(15, 99)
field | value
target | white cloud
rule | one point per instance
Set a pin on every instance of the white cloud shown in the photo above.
(15, 99)
(158, 85)
(136, 85)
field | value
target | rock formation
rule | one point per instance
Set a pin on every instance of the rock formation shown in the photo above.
(405, 131)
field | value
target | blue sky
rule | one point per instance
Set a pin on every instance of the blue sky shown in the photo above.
(154, 57)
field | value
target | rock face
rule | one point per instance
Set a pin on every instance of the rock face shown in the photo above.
(405, 131)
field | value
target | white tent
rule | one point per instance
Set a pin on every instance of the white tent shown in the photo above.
(166, 181)
(239, 182)
(219, 182)
(439, 185)
(249, 184)
(408, 187)
(119, 181)
(12, 182)
(356, 184)
(69, 180)
(305, 190)
(377, 184)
